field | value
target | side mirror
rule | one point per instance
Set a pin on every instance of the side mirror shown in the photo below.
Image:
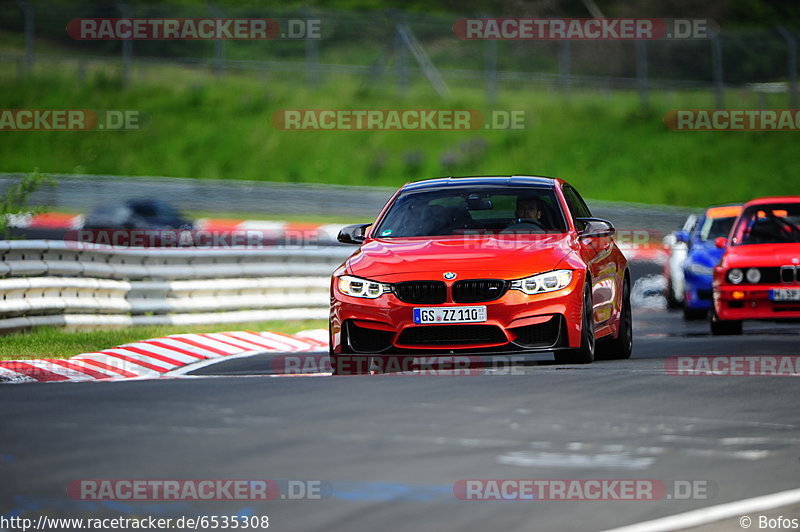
(596, 228)
(682, 236)
(353, 234)
(721, 242)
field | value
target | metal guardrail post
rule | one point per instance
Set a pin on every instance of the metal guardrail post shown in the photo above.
(717, 71)
(28, 15)
(127, 46)
(641, 71)
(490, 68)
(791, 64)
(565, 65)
(312, 55)
(219, 44)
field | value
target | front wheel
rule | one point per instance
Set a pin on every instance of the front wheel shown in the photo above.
(347, 362)
(621, 347)
(693, 314)
(672, 301)
(724, 327)
(585, 353)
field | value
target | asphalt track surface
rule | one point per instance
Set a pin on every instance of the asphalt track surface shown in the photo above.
(387, 449)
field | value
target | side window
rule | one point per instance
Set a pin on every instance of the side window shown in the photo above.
(577, 207)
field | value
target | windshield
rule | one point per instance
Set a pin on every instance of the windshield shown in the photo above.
(769, 224)
(716, 227)
(473, 210)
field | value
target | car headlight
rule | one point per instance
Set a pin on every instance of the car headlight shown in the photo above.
(699, 269)
(543, 282)
(736, 276)
(357, 287)
(753, 275)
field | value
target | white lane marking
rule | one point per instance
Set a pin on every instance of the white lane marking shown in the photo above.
(210, 362)
(539, 459)
(711, 514)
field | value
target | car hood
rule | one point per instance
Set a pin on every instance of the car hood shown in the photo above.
(705, 254)
(764, 255)
(484, 257)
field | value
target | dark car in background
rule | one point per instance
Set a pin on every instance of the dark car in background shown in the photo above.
(137, 214)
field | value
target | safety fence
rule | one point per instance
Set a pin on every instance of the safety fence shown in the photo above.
(54, 283)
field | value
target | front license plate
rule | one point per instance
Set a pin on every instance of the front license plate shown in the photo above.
(785, 294)
(450, 315)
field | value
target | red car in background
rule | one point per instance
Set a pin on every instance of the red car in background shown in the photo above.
(481, 264)
(758, 277)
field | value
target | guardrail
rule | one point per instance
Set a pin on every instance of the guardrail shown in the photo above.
(54, 283)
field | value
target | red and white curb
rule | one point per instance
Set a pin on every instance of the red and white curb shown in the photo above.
(159, 357)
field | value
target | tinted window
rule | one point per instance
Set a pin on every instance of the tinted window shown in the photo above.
(576, 206)
(769, 224)
(716, 227)
(472, 210)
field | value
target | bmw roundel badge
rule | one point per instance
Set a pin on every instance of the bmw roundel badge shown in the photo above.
(449, 275)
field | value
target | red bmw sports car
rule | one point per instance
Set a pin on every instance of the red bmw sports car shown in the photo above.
(758, 277)
(481, 264)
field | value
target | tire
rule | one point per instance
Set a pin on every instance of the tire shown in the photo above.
(347, 362)
(585, 353)
(621, 347)
(672, 301)
(694, 314)
(724, 327)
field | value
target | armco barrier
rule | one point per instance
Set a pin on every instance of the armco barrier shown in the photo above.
(57, 283)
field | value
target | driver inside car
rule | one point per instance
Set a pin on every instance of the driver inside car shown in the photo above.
(529, 209)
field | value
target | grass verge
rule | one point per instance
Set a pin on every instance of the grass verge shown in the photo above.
(605, 143)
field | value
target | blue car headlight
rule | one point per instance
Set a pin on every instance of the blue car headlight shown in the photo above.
(699, 269)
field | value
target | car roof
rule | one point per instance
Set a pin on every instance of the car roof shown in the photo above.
(730, 210)
(507, 180)
(773, 199)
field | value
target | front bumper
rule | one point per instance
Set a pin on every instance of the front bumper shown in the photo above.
(755, 304)
(698, 293)
(515, 322)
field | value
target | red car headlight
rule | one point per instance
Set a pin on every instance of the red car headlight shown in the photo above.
(543, 282)
(358, 287)
(735, 276)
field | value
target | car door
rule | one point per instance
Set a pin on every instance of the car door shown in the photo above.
(597, 253)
